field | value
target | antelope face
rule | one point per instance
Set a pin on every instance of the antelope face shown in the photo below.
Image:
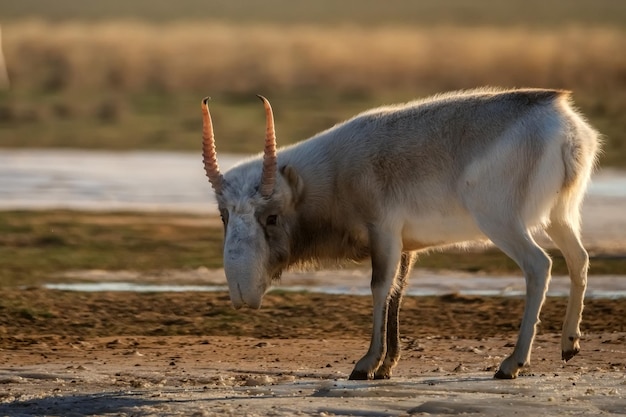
(256, 243)
(246, 257)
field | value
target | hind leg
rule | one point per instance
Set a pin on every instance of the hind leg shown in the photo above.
(514, 240)
(567, 239)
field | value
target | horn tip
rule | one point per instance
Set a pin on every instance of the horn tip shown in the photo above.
(261, 97)
(206, 100)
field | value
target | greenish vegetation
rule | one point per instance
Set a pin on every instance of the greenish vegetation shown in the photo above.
(37, 246)
(363, 12)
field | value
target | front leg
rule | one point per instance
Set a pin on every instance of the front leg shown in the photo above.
(386, 250)
(393, 318)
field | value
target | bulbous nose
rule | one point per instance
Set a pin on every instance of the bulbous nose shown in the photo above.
(238, 302)
(241, 298)
(244, 262)
(253, 303)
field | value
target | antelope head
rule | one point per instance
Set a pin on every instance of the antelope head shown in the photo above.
(257, 202)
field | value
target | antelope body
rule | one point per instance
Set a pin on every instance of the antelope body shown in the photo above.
(473, 166)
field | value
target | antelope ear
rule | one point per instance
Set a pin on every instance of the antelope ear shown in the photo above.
(295, 182)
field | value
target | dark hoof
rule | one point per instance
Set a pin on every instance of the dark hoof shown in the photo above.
(566, 356)
(358, 376)
(502, 375)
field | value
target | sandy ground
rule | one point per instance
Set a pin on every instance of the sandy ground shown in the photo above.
(240, 376)
(189, 354)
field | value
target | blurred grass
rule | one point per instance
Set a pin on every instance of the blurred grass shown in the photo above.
(122, 85)
(36, 246)
(130, 74)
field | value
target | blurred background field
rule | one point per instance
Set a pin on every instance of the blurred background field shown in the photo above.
(127, 75)
(130, 75)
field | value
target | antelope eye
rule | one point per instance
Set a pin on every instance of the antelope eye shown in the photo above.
(271, 220)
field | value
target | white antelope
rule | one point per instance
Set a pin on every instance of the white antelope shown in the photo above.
(471, 166)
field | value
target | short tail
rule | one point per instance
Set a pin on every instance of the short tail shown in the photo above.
(580, 154)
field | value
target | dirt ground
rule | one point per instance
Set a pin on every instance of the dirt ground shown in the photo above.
(179, 354)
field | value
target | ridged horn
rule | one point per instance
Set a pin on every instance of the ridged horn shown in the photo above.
(268, 178)
(209, 156)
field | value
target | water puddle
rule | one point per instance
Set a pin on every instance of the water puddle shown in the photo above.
(351, 282)
(132, 287)
(104, 180)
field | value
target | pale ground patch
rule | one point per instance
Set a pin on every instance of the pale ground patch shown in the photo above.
(233, 376)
